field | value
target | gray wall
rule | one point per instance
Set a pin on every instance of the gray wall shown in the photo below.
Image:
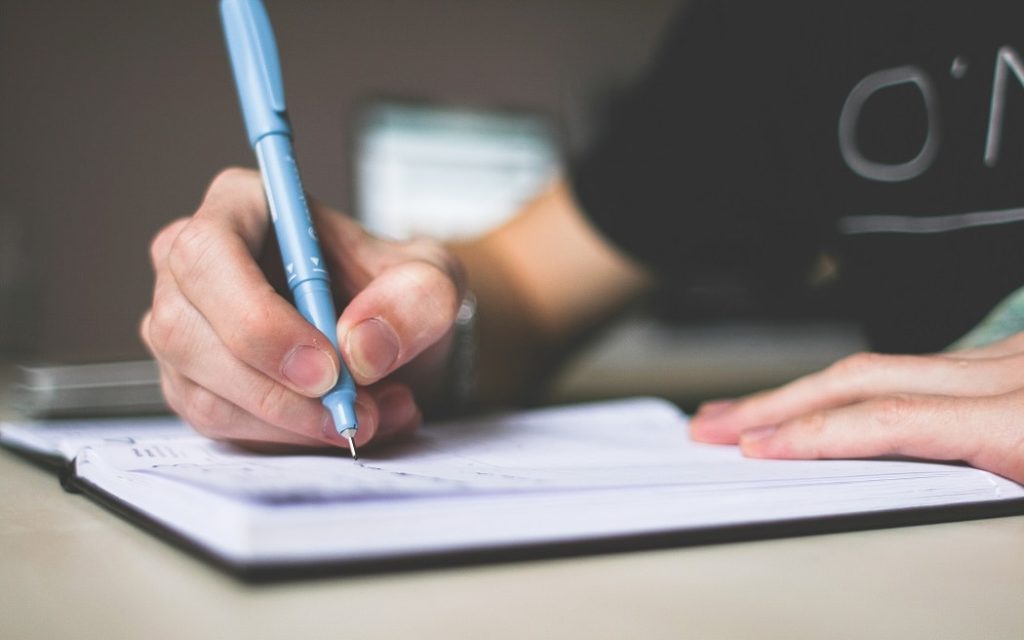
(115, 114)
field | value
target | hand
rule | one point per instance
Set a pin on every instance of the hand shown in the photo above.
(237, 360)
(966, 405)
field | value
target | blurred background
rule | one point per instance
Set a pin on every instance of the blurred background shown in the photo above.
(116, 114)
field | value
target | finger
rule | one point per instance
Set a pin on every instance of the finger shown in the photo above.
(404, 295)
(854, 379)
(211, 263)
(399, 416)
(712, 408)
(353, 255)
(985, 432)
(356, 256)
(385, 412)
(162, 241)
(403, 311)
(216, 418)
(235, 198)
(190, 347)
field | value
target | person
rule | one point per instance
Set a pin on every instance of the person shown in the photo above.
(879, 140)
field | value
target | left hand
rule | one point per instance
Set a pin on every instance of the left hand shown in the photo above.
(964, 405)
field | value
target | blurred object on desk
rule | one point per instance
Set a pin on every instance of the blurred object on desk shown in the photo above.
(96, 389)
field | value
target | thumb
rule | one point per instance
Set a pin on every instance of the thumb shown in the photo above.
(402, 312)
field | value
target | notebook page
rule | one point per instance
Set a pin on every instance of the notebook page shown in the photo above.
(605, 469)
(637, 443)
(65, 438)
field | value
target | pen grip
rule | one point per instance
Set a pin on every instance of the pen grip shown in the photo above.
(289, 211)
(303, 263)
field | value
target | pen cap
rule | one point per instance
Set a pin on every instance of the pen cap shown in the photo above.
(256, 67)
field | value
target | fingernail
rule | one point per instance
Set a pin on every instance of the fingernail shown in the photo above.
(327, 431)
(311, 370)
(710, 410)
(372, 348)
(365, 433)
(757, 434)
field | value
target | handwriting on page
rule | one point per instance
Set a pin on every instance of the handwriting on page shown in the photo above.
(559, 450)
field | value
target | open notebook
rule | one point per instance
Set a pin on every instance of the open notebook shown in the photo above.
(612, 475)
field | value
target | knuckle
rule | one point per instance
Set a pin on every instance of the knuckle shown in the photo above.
(434, 287)
(234, 185)
(144, 330)
(424, 246)
(895, 417)
(961, 364)
(435, 253)
(254, 333)
(229, 179)
(854, 373)
(892, 411)
(162, 241)
(188, 249)
(812, 424)
(207, 412)
(165, 324)
(858, 364)
(170, 395)
(806, 435)
(273, 405)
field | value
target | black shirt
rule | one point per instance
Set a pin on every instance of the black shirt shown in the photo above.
(889, 135)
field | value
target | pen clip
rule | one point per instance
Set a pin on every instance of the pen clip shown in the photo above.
(256, 67)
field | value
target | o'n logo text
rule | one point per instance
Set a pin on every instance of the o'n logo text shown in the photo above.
(1007, 61)
(862, 92)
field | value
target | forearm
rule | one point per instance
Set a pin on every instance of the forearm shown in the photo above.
(540, 281)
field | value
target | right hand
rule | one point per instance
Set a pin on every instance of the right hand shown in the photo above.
(239, 363)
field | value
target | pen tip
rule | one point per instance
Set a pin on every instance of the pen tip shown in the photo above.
(352, 448)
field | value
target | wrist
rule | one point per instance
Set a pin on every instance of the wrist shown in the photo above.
(456, 392)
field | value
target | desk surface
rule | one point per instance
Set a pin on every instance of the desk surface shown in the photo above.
(69, 569)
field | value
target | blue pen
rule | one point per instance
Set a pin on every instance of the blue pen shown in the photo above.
(257, 71)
